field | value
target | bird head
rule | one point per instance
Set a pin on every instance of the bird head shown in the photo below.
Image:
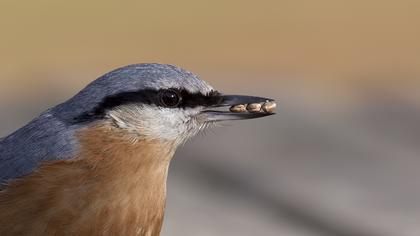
(154, 101)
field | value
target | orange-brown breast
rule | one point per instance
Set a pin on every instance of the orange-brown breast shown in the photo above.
(112, 187)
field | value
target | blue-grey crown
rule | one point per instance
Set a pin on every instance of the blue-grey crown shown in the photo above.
(130, 79)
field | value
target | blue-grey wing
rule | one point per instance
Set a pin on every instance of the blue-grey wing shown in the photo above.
(45, 138)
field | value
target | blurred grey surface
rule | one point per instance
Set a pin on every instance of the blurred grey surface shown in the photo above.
(321, 166)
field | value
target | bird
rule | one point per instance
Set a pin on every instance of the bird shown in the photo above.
(97, 163)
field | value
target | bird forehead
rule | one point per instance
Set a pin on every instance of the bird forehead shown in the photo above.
(192, 85)
(155, 76)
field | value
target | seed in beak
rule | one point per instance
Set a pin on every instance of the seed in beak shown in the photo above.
(254, 107)
(269, 107)
(238, 108)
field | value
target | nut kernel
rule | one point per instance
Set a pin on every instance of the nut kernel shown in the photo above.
(254, 107)
(269, 107)
(238, 108)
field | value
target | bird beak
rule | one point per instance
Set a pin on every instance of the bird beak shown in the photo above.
(222, 111)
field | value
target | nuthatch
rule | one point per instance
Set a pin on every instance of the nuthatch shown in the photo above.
(97, 163)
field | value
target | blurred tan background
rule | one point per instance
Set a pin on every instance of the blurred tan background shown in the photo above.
(341, 157)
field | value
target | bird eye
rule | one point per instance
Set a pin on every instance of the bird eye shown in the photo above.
(169, 98)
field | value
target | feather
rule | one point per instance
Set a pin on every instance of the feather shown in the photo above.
(45, 138)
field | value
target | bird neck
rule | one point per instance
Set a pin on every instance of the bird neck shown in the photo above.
(131, 173)
(111, 187)
(112, 150)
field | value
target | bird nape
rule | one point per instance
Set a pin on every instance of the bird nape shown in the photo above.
(97, 164)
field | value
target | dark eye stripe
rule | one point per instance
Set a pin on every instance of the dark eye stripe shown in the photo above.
(197, 99)
(148, 96)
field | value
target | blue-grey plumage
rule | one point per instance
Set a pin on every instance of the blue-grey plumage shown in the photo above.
(45, 138)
